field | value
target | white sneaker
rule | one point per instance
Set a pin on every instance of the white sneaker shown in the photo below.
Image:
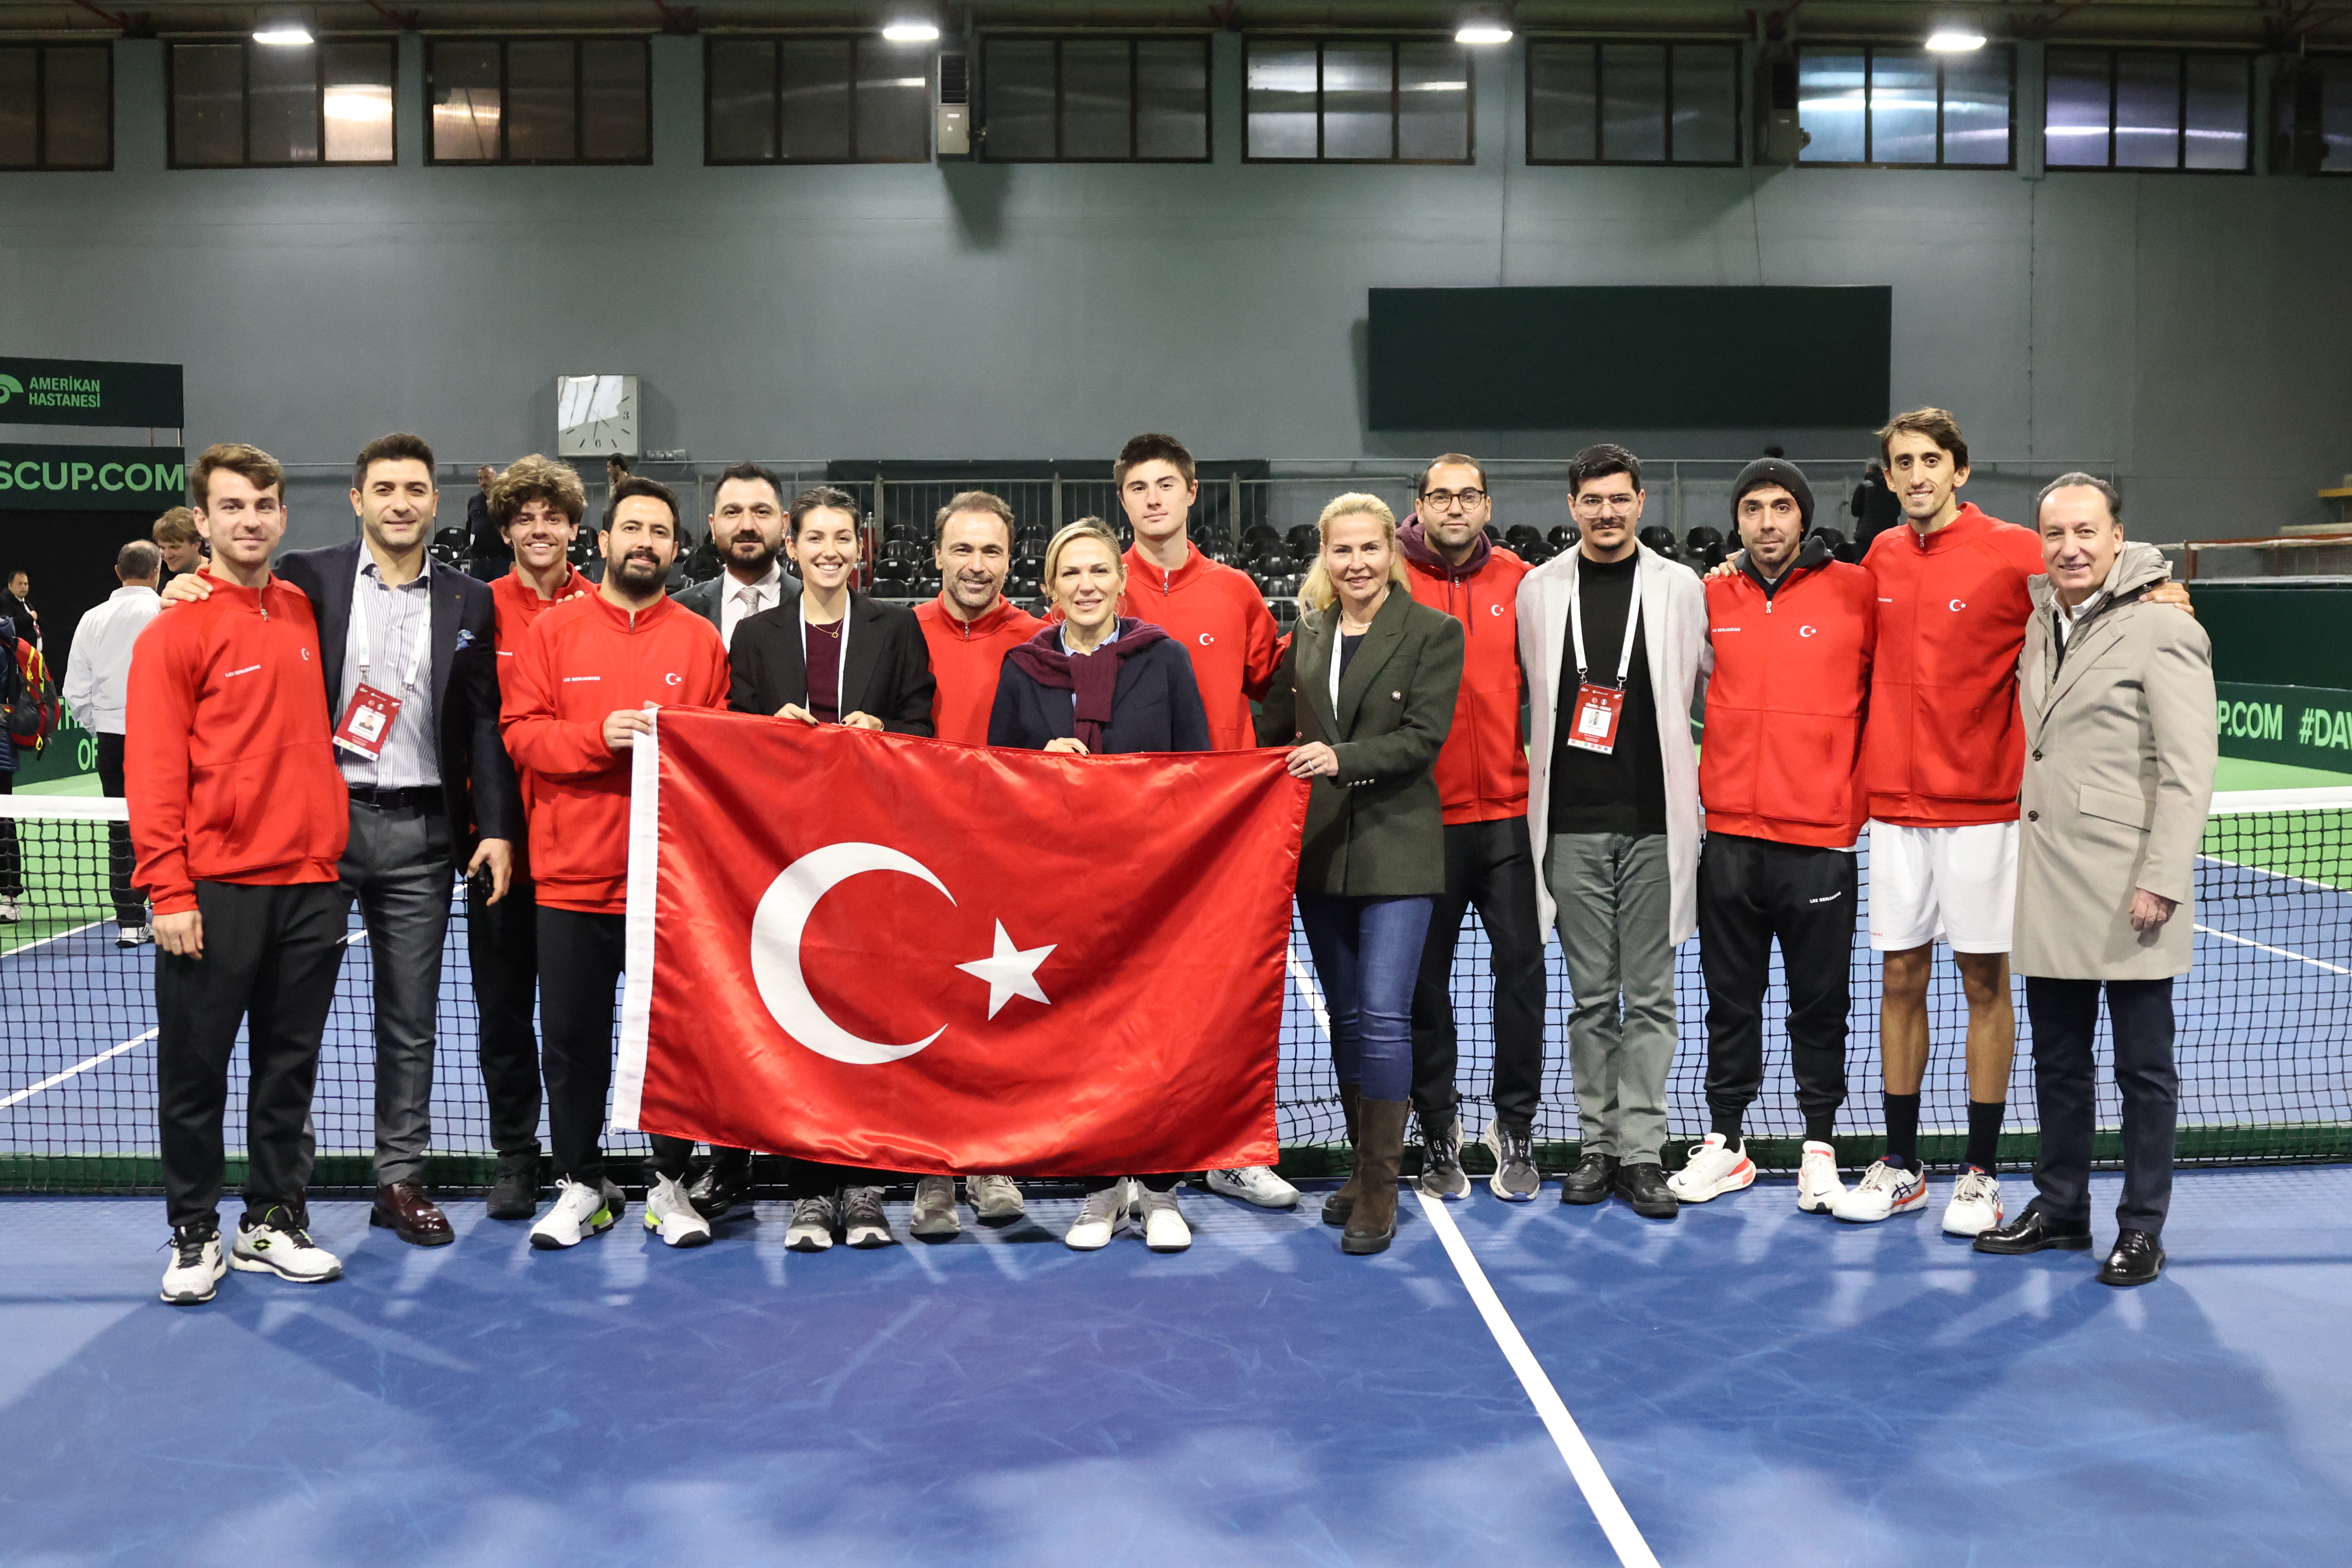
(1713, 1170)
(1886, 1188)
(1164, 1229)
(1974, 1207)
(9, 913)
(1099, 1218)
(1253, 1184)
(934, 1215)
(580, 1212)
(672, 1215)
(995, 1200)
(197, 1266)
(812, 1226)
(1819, 1187)
(133, 936)
(274, 1243)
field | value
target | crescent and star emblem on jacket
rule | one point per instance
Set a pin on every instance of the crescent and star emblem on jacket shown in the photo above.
(783, 915)
(1959, 605)
(1808, 631)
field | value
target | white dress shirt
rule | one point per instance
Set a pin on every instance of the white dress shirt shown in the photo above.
(98, 672)
(394, 628)
(738, 599)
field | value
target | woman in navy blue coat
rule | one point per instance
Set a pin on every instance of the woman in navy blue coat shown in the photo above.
(1093, 684)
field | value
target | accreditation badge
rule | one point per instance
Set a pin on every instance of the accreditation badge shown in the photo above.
(1597, 710)
(367, 721)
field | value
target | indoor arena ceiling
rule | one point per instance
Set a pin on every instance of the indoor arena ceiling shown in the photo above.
(2285, 24)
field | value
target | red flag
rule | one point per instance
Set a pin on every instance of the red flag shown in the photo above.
(913, 955)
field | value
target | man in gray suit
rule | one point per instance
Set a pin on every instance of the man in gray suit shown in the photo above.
(747, 524)
(2117, 697)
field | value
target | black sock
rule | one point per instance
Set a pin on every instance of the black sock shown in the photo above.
(1727, 1123)
(1984, 1132)
(1820, 1126)
(1903, 1128)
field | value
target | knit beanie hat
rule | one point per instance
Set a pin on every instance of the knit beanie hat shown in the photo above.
(1774, 471)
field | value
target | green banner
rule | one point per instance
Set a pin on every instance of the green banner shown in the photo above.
(2309, 726)
(92, 479)
(72, 752)
(88, 392)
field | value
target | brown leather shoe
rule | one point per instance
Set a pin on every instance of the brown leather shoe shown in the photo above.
(416, 1219)
(1341, 1203)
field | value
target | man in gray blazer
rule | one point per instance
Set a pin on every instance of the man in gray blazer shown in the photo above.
(2117, 698)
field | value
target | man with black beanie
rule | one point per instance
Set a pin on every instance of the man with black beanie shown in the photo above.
(1793, 632)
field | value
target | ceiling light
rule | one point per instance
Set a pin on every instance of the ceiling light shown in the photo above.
(1483, 24)
(912, 32)
(281, 26)
(1955, 40)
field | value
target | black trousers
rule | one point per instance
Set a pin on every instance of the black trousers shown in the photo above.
(1491, 867)
(130, 903)
(1751, 890)
(2062, 1015)
(269, 959)
(12, 870)
(579, 961)
(502, 946)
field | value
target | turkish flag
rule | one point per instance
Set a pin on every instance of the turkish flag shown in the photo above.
(914, 955)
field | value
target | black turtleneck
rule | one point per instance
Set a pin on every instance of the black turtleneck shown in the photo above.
(1625, 791)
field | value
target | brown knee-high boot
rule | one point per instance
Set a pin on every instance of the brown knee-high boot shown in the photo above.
(1372, 1226)
(1341, 1203)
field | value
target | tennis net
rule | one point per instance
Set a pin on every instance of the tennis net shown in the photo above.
(2264, 1045)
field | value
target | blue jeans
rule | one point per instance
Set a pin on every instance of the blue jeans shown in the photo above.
(1367, 955)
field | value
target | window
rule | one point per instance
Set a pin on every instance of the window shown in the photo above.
(816, 100)
(539, 100)
(1866, 105)
(2310, 117)
(56, 105)
(2140, 109)
(1632, 103)
(245, 104)
(1359, 101)
(1095, 101)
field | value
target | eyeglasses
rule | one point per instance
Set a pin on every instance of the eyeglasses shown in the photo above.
(1446, 500)
(1616, 506)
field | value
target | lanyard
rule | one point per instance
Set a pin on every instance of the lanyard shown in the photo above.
(1339, 641)
(393, 615)
(1632, 622)
(841, 657)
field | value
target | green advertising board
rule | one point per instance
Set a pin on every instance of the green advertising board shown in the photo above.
(2308, 726)
(92, 479)
(88, 392)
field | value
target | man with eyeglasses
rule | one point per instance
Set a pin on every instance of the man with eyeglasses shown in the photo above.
(1612, 638)
(1482, 780)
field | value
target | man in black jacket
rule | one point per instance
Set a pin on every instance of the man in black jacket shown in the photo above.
(409, 660)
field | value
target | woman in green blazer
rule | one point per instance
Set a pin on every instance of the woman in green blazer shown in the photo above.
(1365, 696)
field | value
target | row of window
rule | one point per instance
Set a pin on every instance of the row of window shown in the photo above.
(804, 99)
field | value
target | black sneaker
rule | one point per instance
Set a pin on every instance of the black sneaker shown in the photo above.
(1441, 1158)
(1515, 1179)
(513, 1191)
(863, 1221)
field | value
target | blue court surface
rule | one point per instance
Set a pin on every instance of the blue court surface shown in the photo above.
(1758, 1386)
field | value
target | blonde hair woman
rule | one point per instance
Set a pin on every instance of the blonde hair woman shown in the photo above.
(1365, 697)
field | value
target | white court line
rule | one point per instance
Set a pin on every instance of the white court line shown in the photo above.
(2281, 951)
(80, 1067)
(1590, 1478)
(2266, 871)
(55, 936)
(1307, 988)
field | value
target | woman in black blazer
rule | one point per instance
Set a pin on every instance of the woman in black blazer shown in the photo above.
(1098, 683)
(831, 656)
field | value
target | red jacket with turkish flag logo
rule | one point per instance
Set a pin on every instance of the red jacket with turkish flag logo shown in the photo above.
(1221, 619)
(1482, 771)
(583, 660)
(1944, 747)
(948, 989)
(228, 758)
(1782, 756)
(966, 659)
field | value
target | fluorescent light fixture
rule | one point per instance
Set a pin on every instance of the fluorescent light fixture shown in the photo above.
(1481, 33)
(1955, 40)
(283, 35)
(912, 32)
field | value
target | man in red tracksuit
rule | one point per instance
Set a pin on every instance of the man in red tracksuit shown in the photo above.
(1219, 619)
(238, 816)
(971, 625)
(1482, 782)
(576, 699)
(1792, 635)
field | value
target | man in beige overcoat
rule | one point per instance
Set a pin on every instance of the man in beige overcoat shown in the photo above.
(2117, 698)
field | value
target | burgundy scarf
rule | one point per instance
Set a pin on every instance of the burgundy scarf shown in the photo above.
(1093, 680)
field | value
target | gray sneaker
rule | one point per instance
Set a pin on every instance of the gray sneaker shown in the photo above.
(1515, 1179)
(934, 1218)
(1441, 1160)
(863, 1221)
(813, 1224)
(995, 1200)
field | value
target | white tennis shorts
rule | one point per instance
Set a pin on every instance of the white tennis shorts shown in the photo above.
(1943, 883)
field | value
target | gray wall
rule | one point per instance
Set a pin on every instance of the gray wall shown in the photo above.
(2194, 331)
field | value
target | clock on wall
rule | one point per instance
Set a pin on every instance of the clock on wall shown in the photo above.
(596, 415)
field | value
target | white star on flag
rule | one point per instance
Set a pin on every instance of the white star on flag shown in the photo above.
(1010, 971)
